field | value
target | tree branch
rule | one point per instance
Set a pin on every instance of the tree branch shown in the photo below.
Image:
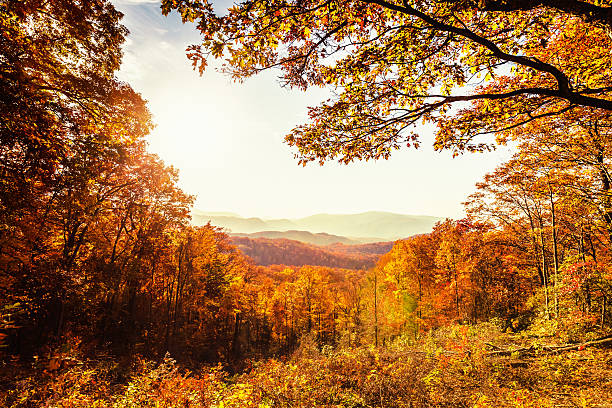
(564, 88)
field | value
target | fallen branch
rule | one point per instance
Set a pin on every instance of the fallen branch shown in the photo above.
(598, 342)
(531, 350)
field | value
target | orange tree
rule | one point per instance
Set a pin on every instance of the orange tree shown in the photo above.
(553, 197)
(473, 67)
(66, 125)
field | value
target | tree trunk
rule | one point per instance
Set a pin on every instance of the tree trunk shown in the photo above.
(236, 337)
(545, 274)
(375, 309)
(555, 252)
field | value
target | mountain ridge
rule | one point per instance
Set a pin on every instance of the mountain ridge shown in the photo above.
(374, 226)
(320, 238)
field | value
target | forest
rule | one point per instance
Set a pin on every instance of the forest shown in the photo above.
(264, 251)
(111, 297)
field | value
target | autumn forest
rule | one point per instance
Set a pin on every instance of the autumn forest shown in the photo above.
(111, 296)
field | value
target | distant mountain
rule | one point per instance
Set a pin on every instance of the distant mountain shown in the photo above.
(365, 227)
(320, 238)
(199, 213)
(239, 224)
(385, 225)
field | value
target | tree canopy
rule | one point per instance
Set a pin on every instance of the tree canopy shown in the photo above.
(474, 68)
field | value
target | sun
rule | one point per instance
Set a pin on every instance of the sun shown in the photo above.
(186, 132)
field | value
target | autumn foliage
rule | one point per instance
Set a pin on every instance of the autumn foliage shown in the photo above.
(266, 251)
(472, 68)
(108, 293)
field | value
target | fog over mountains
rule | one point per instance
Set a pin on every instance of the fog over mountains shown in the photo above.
(370, 226)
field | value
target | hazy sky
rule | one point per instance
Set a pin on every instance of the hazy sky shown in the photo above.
(227, 139)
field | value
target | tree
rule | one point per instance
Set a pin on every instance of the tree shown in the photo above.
(447, 260)
(394, 64)
(553, 200)
(67, 127)
(57, 89)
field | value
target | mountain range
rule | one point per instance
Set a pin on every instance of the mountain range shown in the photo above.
(323, 229)
(320, 238)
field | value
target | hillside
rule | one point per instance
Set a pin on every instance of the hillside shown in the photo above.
(366, 227)
(374, 248)
(266, 251)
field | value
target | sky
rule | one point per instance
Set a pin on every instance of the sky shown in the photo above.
(226, 139)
